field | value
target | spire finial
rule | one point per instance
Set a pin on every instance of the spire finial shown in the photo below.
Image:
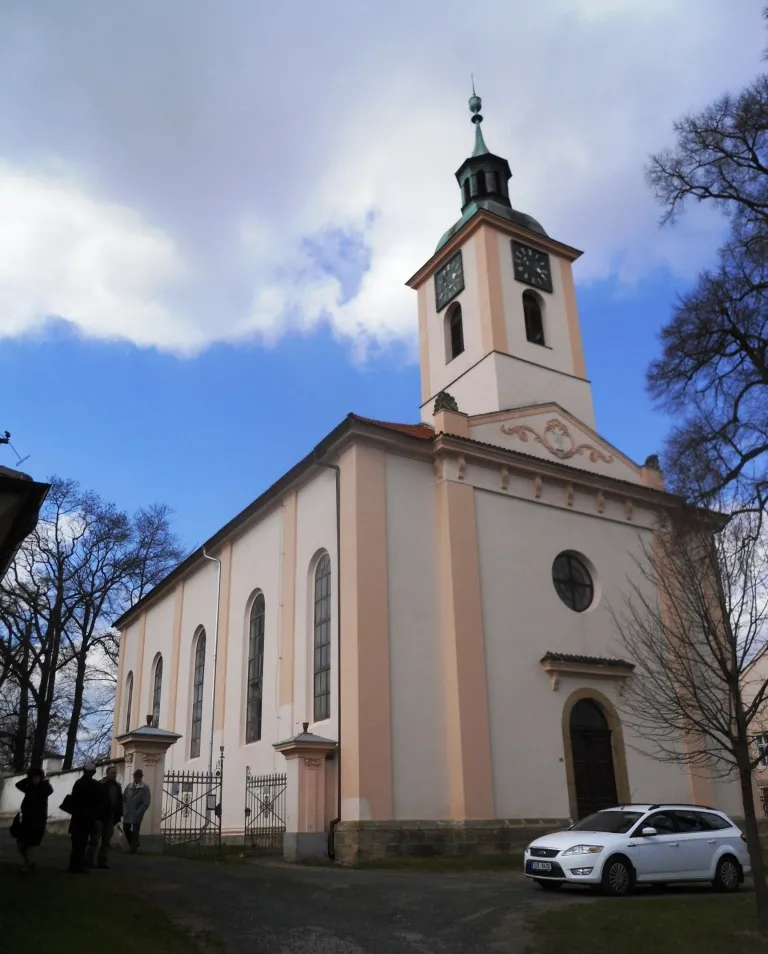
(475, 105)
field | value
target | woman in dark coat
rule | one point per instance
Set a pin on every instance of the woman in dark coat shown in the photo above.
(34, 813)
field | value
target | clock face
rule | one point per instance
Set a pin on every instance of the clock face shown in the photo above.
(449, 281)
(531, 266)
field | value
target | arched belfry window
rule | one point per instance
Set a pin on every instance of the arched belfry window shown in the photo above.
(534, 317)
(322, 641)
(198, 679)
(467, 192)
(157, 690)
(255, 692)
(129, 701)
(454, 333)
(480, 188)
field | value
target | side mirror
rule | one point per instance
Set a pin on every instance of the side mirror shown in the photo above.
(648, 832)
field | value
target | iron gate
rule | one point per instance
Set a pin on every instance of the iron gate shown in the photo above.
(192, 807)
(264, 813)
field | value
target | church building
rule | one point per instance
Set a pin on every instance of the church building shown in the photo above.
(412, 627)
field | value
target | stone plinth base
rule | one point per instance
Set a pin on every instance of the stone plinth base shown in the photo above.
(299, 845)
(358, 842)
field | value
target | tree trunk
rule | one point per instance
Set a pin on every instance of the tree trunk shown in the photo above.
(21, 742)
(754, 848)
(47, 687)
(77, 710)
(40, 735)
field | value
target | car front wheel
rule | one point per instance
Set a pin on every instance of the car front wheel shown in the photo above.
(727, 875)
(618, 877)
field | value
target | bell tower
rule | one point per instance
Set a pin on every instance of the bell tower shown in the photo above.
(498, 322)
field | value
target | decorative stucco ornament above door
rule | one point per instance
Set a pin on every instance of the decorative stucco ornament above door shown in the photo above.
(557, 440)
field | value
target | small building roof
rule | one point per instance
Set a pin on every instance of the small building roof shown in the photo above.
(586, 660)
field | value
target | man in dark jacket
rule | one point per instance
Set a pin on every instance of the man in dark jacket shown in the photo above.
(112, 809)
(87, 803)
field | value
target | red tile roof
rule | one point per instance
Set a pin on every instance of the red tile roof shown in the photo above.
(423, 431)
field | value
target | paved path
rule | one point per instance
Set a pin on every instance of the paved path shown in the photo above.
(290, 909)
(287, 909)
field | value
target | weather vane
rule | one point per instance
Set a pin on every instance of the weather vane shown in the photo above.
(5, 438)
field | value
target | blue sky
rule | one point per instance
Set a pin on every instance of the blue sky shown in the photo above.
(222, 202)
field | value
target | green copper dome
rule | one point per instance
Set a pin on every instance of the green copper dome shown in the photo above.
(483, 179)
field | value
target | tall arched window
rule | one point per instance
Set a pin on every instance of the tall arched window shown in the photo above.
(481, 183)
(129, 701)
(157, 691)
(534, 318)
(322, 667)
(197, 697)
(454, 333)
(255, 670)
(467, 193)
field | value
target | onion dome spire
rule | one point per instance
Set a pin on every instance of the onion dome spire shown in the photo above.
(484, 182)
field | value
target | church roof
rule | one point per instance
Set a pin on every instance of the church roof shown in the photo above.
(423, 431)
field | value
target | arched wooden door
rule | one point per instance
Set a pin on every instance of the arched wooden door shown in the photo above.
(593, 770)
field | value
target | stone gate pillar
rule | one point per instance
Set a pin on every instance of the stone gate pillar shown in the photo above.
(305, 828)
(145, 749)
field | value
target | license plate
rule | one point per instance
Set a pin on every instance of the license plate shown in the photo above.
(541, 866)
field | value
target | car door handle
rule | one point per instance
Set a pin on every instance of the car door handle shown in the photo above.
(711, 841)
(674, 844)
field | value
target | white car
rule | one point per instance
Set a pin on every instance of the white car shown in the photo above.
(617, 848)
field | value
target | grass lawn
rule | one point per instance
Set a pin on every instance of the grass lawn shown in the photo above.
(52, 912)
(685, 924)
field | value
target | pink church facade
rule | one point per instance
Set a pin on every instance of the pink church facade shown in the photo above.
(432, 600)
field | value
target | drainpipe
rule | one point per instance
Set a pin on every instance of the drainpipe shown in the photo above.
(215, 654)
(335, 821)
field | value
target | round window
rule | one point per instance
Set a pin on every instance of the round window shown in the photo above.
(573, 582)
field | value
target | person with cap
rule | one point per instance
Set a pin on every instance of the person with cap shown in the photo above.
(136, 799)
(87, 807)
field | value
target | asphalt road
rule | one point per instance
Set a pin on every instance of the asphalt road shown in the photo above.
(287, 909)
(293, 909)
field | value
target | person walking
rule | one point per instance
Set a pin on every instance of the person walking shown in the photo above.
(136, 799)
(112, 811)
(87, 806)
(30, 827)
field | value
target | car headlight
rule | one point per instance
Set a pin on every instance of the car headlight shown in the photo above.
(584, 850)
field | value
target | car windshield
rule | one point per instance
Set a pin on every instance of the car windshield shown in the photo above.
(617, 822)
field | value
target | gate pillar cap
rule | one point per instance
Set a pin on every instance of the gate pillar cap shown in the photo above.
(155, 740)
(304, 743)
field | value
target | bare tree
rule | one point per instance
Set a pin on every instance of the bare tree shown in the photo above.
(83, 566)
(694, 618)
(713, 372)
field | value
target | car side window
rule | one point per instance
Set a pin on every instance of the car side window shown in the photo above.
(689, 822)
(664, 823)
(712, 822)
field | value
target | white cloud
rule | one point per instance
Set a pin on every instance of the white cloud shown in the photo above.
(208, 161)
(64, 253)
